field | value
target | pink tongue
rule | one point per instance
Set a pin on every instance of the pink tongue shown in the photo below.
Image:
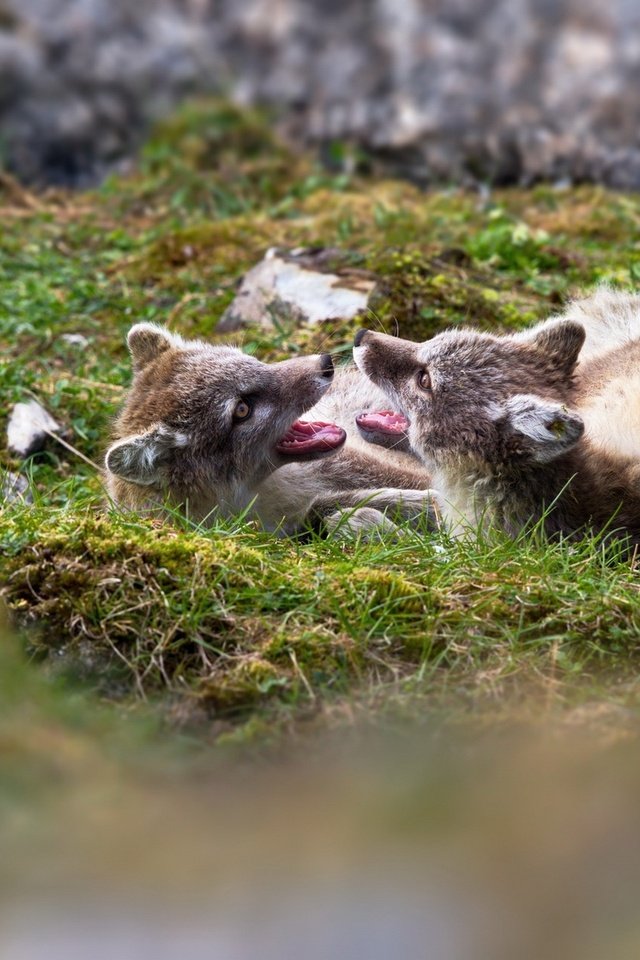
(306, 437)
(386, 421)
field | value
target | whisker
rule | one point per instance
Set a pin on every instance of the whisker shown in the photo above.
(377, 322)
(324, 339)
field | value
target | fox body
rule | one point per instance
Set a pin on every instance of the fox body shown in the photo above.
(539, 425)
(208, 429)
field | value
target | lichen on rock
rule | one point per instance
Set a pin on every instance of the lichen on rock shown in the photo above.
(298, 286)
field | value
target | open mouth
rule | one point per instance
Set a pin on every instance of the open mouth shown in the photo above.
(383, 421)
(311, 437)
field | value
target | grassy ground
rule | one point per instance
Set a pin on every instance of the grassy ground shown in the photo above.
(241, 638)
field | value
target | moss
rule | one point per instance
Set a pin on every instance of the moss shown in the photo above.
(420, 295)
(207, 130)
(376, 587)
(243, 685)
(201, 262)
(213, 158)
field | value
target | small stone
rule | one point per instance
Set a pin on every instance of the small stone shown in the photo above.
(29, 427)
(14, 487)
(299, 285)
(75, 339)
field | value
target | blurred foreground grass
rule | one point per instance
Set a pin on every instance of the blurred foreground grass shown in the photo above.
(121, 838)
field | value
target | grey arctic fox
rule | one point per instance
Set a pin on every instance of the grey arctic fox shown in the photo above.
(541, 425)
(210, 430)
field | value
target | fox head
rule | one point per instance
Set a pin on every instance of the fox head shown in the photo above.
(206, 424)
(481, 400)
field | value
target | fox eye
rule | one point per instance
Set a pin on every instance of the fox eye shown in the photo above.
(242, 410)
(424, 380)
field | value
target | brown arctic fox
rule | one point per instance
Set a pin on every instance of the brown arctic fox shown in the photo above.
(514, 429)
(209, 429)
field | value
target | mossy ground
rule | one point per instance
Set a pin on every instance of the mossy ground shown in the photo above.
(231, 632)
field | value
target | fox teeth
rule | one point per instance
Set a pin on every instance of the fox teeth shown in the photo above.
(312, 437)
(385, 421)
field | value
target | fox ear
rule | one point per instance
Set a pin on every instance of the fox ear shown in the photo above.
(560, 342)
(147, 341)
(545, 429)
(143, 457)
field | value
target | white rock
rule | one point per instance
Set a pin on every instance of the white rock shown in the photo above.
(13, 486)
(29, 427)
(286, 286)
(75, 339)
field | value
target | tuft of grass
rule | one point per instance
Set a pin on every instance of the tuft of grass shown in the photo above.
(242, 623)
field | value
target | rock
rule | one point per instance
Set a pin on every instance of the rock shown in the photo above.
(75, 339)
(14, 487)
(426, 88)
(29, 427)
(298, 285)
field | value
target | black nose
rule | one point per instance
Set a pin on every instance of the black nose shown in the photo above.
(326, 366)
(359, 337)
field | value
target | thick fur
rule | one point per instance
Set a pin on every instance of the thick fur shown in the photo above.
(544, 424)
(176, 441)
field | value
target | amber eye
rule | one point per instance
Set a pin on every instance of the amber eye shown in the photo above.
(424, 380)
(242, 410)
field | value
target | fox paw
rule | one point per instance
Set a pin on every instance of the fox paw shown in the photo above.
(363, 523)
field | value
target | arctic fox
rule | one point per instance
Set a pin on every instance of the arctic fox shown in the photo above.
(210, 429)
(530, 426)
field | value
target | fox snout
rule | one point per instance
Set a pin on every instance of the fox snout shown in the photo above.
(303, 380)
(383, 358)
(318, 366)
(361, 342)
(326, 366)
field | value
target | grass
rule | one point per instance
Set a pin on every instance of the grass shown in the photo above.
(242, 638)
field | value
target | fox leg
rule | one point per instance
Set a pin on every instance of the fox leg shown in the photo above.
(358, 510)
(363, 521)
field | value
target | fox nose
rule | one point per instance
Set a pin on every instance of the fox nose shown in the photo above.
(326, 366)
(359, 337)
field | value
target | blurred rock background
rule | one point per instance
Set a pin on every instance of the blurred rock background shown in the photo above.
(464, 91)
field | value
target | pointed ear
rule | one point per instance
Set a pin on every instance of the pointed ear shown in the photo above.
(147, 341)
(543, 429)
(143, 457)
(560, 342)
